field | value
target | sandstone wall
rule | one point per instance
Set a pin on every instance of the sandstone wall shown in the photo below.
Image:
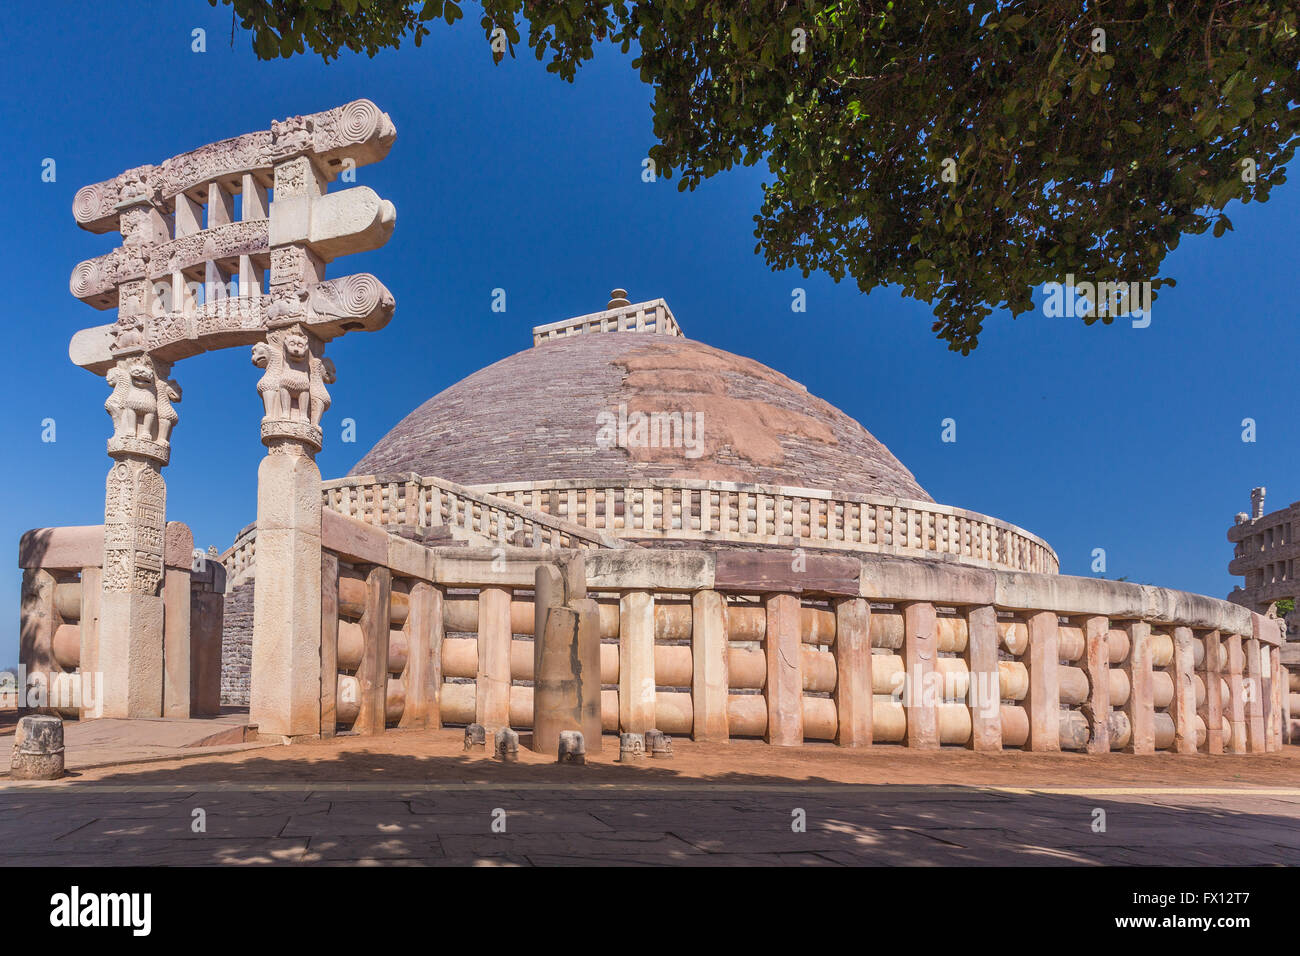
(237, 645)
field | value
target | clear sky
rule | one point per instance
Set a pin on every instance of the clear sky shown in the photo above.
(506, 177)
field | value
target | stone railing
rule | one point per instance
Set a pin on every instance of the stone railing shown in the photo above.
(851, 650)
(434, 503)
(59, 646)
(241, 555)
(653, 316)
(723, 512)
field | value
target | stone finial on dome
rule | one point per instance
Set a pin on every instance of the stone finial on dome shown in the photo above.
(620, 315)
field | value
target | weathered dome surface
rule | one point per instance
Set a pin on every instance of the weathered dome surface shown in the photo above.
(534, 417)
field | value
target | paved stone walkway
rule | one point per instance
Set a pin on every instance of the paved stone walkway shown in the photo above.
(701, 824)
(111, 742)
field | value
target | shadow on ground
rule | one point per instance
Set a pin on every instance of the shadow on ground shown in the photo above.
(358, 807)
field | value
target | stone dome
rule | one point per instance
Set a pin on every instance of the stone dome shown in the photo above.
(537, 416)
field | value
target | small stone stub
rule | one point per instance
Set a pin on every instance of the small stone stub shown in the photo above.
(38, 748)
(475, 737)
(631, 747)
(573, 749)
(507, 745)
(658, 744)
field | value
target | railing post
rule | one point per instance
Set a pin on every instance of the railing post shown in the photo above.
(421, 631)
(920, 690)
(372, 674)
(1183, 706)
(177, 558)
(784, 670)
(1253, 681)
(1238, 744)
(1266, 668)
(1212, 713)
(636, 662)
(492, 700)
(1097, 658)
(329, 643)
(1140, 707)
(1280, 692)
(985, 682)
(709, 680)
(853, 696)
(91, 591)
(1043, 702)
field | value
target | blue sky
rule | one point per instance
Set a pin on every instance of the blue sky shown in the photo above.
(504, 176)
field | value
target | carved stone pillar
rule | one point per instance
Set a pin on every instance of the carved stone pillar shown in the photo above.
(284, 697)
(135, 516)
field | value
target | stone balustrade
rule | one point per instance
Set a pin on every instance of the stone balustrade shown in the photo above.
(653, 316)
(434, 503)
(719, 513)
(855, 650)
(74, 666)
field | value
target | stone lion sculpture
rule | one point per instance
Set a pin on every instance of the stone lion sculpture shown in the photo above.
(293, 385)
(133, 403)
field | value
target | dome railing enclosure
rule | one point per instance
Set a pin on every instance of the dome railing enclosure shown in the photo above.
(855, 650)
(719, 513)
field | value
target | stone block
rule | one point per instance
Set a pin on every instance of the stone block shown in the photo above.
(38, 748)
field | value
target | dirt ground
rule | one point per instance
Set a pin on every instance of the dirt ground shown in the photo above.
(432, 757)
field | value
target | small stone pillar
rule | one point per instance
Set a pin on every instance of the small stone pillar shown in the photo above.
(631, 747)
(659, 744)
(921, 694)
(1140, 706)
(507, 745)
(781, 648)
(1043, 701)
(571, 747)
(852, 694)
(38, 748)
(985, 686)
(709, 681)
(475, 737)
(636, 662)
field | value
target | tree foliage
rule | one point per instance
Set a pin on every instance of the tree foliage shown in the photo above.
(1081, 138)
